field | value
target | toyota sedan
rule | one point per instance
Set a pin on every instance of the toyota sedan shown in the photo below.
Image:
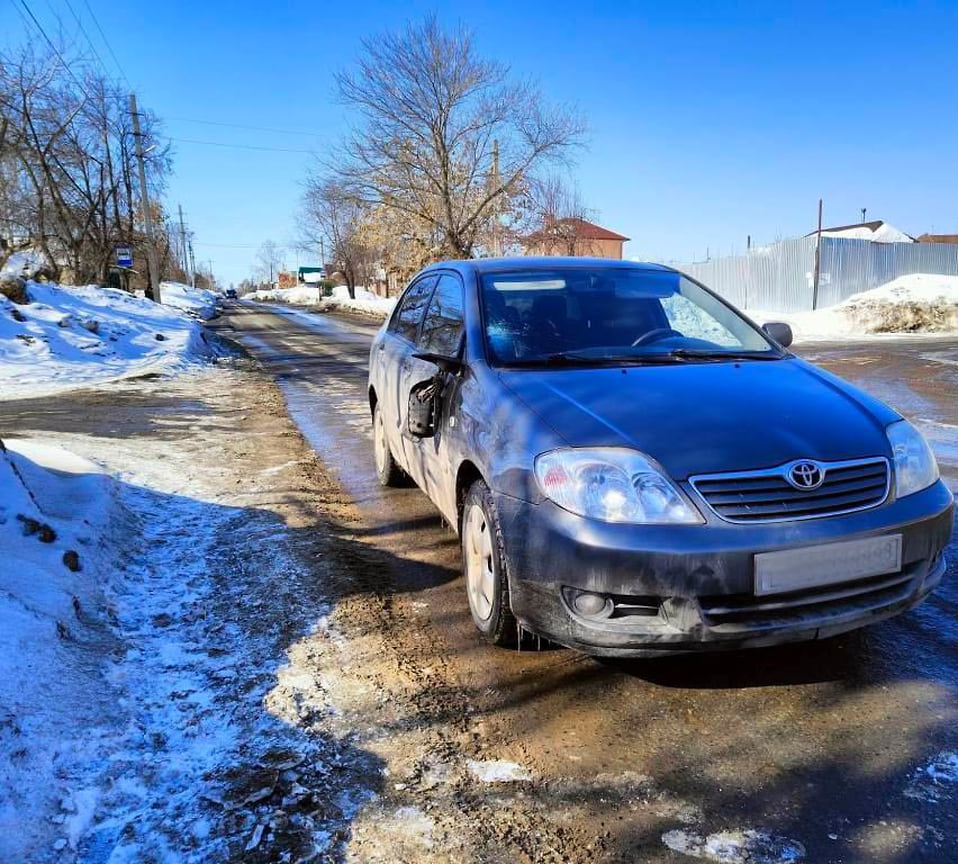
(635, 468)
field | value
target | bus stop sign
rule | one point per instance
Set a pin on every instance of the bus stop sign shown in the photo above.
(124, 256)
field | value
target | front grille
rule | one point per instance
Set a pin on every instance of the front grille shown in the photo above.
(737, 611)
(767, 496)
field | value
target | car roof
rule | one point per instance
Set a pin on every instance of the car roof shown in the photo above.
(552, 262)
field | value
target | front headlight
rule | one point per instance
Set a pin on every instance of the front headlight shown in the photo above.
(613, 484)
(915, 465)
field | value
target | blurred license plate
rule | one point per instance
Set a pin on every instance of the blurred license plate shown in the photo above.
(813, 566)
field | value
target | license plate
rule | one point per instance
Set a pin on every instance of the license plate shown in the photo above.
(814, 566)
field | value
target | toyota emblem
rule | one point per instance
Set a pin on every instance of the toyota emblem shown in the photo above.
(806, 475)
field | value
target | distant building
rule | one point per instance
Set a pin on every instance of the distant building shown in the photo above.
(574, 236)
(877, 231)
(938, 238)
(311, 275)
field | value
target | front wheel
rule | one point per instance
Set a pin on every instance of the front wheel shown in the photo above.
(388, 472)
(482, 562)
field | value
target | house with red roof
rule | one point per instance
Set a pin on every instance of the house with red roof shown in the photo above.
(574, 236)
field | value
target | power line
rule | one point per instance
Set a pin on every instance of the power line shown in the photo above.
(239, 146)
(86, 36)
(53, 48)
(244, 126)
(106, 42)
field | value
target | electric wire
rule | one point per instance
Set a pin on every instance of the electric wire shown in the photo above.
(106, 42)
(53, 48)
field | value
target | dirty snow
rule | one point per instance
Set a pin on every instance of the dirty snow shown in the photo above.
(937, 780)
(365, 303)
(142, 698)
(52, 633)
(919, 302)
(736, 846)
(69, 337)
(498, 771)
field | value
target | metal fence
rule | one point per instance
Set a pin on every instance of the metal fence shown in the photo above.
(781, 277)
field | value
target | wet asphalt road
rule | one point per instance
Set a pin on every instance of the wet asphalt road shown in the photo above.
(825, 743)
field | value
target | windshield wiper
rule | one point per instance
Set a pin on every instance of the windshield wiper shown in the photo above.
(573, 358)
(702, 354)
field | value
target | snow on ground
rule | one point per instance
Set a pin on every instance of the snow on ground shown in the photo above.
(194, 301)
(144, 715)
(736, 846)
(365, 302)
(498, 771)
(69, 337)
(917, 303)
(56, 510)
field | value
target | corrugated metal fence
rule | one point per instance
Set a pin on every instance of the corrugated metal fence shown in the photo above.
(780, 277)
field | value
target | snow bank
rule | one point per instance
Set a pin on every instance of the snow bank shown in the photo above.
(194, 301)
(301, 295)
(81, 337)
(54, 511)
(884, 234)
(365, 303)
(919, 302)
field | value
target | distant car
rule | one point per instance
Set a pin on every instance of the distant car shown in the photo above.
(230, 293)
(634, 467)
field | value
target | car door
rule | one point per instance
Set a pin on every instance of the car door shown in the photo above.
(441, 333)
(395, 348)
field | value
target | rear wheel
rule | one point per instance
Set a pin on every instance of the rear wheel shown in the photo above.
(388, 472)
(487, 586)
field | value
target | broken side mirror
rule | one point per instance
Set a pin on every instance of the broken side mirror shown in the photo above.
(446, 362)
(421, 412)
(779, 331)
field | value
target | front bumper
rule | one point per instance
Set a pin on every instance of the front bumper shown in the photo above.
(690, 587)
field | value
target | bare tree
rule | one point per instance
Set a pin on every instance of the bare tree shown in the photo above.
(445, 135)
(270, 259)
(66, 189)
(552, 212)
(334, 219)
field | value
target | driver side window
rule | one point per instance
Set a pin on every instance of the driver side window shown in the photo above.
(408, 315)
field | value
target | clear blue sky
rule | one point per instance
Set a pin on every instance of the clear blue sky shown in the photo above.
(708, 123)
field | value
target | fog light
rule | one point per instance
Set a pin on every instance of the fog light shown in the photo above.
(592, 605)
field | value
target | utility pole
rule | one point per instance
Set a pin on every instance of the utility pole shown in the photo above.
(151, 262)
(818, 257)
(210, 286)
(189, 243)
(186, 256)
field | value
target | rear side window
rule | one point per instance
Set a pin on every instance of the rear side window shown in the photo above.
(442, 326)
(406, 321)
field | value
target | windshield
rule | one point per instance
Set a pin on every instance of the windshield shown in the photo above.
(610, 314)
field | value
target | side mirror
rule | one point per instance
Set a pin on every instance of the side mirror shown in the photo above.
(421, 410)
(443, 361)
(779, 331)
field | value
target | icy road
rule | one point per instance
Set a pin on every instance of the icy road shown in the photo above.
(837, 751)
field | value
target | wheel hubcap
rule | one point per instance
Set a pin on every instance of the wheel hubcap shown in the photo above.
(379, 438)
(480, 572)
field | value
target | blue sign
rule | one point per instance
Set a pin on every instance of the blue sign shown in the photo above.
(124, 256)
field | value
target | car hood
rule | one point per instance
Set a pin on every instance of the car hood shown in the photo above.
(703, 417)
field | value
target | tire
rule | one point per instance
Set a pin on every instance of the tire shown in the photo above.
(388, 472)
(483, 565)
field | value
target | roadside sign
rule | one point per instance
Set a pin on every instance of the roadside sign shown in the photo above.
(124, 256)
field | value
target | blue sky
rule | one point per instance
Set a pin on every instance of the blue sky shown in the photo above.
(708, 121)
